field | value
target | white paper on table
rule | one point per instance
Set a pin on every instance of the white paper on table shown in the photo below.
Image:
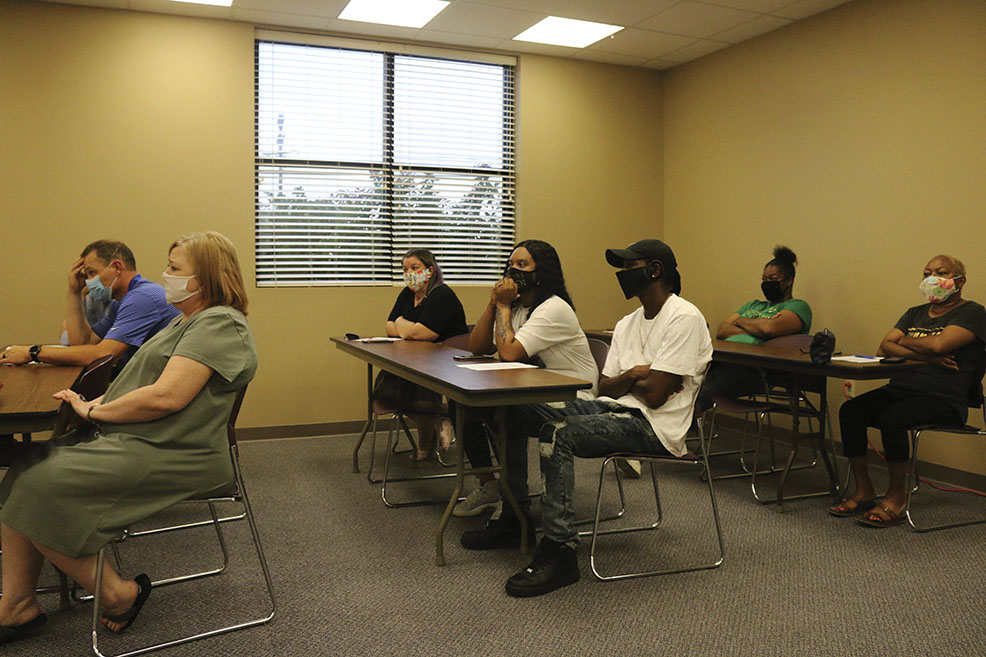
(495, 366)
(858, 359)
(378, 339)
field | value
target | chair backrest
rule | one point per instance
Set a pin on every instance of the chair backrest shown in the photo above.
(233, 413)
(91, 383)
(599, 351)
(458, 341)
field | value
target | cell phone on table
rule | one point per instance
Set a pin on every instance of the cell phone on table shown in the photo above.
(472, 358)
(890, 360)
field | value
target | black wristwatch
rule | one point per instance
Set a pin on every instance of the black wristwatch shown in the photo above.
(33, 352)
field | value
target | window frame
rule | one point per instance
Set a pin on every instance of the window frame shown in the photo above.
(506, 230)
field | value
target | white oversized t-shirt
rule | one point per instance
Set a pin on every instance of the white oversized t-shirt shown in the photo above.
(675, 341)
(552, 333)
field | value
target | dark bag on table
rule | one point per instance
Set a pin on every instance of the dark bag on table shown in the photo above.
(822, 347)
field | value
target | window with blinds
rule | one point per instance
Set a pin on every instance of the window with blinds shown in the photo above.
(362, 155)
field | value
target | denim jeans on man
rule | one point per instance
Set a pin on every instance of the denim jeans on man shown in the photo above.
(586, 429)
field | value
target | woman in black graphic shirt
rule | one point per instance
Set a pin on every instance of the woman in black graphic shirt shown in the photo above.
(949, 335)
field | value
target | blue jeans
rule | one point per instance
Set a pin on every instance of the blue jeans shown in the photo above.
(587, 429)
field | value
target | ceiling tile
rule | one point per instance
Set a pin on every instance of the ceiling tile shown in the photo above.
(552, 7)
(761, 6)
(467, 18)
(806, 8)
(624, 12)
(659, 34)
(279, 19)
(371, 29)
(180, 9)
(468, 40)
(641, 43)
(609, 58)
(538, 48)
(750, 29)
(697, 19)
(694, 51)
(324, 8)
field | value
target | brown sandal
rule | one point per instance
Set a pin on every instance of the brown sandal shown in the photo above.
(843, 510)
(889, 518)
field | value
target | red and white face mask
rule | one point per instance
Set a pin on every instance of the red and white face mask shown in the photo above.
(417, 280)
(938, 288)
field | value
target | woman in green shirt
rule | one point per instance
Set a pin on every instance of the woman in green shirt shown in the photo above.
(757, 321)
(155, 438)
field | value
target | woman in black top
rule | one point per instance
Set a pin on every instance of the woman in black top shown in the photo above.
(949, 335)
(426, 309)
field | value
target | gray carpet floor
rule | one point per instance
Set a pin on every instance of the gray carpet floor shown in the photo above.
(356, 578)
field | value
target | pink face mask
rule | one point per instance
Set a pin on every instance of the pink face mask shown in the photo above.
(938, 289)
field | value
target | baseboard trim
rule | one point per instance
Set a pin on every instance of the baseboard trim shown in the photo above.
(309, 430)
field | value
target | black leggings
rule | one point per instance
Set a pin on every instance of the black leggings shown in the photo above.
(893, 412)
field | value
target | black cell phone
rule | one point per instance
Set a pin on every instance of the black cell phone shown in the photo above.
(472, 358)
(352, 336)
(890, 360)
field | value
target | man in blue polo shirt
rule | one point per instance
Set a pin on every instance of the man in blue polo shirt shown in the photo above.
(137, 311)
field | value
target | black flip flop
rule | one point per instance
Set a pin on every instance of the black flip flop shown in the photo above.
(128, 617)
(23, 630)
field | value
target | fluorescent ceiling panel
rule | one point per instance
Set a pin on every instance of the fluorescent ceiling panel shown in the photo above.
(557, 31)
(403, 13)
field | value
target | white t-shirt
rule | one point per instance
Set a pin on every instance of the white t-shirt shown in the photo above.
(552, 333)
(676, 341)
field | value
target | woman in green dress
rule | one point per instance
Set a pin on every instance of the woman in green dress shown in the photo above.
(155, 438)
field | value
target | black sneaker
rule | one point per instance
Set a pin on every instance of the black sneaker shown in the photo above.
(555, 565)
(498, 533)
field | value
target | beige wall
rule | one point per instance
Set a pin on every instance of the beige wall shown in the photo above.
(140, 127)
(857, 138)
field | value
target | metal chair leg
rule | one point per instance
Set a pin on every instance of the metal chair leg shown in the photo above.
(912, 488)
(703, 463)
(255, 535)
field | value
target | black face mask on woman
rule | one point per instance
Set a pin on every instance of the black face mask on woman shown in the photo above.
(772, 291)
(524, 279)
(634, 281)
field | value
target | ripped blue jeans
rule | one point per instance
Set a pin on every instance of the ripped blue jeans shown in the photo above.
(587, 429)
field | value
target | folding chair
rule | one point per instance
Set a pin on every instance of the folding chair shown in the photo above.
(975, 400)
(237, 494)
(700, 461)
(412, 408)
(760, 409)
(782, 396)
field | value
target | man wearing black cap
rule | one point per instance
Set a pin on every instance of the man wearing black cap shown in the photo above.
(646, 397)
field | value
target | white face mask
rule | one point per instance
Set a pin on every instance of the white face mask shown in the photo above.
(176, 288)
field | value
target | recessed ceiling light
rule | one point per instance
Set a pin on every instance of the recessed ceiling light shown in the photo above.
(216, 3)
(403, 13)
(557, 31)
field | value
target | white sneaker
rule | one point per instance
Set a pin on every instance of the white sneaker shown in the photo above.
(484, 498)
(629, 467)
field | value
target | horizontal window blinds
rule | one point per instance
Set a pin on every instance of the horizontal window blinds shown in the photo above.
(363, 155)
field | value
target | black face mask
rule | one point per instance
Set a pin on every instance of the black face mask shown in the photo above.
(634, 281)
(772, 291)
(524, 279)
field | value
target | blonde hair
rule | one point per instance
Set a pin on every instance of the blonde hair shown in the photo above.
(217, 268)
